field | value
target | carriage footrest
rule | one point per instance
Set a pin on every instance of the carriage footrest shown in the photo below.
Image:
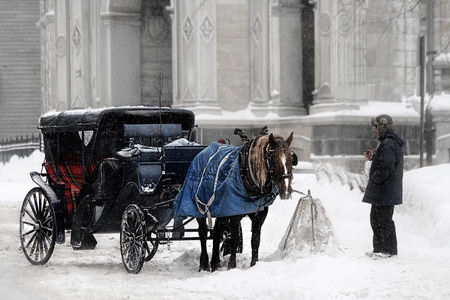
(87, 242)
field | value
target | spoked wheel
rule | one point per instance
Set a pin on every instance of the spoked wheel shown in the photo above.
(151, 245)
(133, 239)
(37, 227)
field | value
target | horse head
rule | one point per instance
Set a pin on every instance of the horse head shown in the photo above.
(281, 160)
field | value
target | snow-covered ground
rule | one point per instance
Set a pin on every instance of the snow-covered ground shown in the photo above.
(421, 270)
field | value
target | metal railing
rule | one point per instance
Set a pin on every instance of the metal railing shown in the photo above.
(20, 146)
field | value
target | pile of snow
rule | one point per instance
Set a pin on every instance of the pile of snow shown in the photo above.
(309, 231)
(15, 178)
(437, 102)
(427, 203)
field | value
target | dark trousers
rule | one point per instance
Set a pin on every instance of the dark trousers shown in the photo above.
(383, 227)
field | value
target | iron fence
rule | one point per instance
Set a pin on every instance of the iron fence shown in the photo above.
(20, 146)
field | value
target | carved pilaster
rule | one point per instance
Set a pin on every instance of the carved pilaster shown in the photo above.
(323, 37)
(259, 53)
(172, 13)
(286, 58)
(78, 37)
(62, 58)
(46, 27)
(275, 73)
(119, 52)
(195, 52)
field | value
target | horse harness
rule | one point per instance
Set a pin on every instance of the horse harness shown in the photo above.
(247, 174)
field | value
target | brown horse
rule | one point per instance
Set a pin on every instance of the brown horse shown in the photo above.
(266, 164)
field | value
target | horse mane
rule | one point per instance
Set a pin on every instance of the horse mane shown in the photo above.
(258, 160)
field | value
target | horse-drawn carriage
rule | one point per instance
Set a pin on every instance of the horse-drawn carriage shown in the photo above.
(123, 169)
(105, 171)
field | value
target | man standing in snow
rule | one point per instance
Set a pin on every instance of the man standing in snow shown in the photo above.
(384, 188)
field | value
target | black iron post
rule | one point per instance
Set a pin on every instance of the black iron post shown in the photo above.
(428, 122)
(429, 131)
(422, 93)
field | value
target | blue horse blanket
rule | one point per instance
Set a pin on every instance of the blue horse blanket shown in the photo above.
(213, 183)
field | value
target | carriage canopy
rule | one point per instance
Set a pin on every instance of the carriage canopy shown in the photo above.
(100, 132)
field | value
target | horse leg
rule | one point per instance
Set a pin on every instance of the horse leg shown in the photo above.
(203, 234)
(219, 227)
(234, 239)
(258, 219)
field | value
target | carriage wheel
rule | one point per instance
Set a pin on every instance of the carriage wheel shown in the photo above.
(37, 227)
(133, 239)
(151, 245)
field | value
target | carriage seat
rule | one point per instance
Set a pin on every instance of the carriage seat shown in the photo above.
(108, 181)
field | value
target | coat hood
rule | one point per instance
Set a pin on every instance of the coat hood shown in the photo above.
(391, 134)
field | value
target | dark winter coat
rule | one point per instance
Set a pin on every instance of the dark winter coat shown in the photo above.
(385, 186)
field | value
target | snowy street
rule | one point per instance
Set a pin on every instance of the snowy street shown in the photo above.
(421, 270)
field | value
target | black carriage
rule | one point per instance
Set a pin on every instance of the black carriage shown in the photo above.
(107, 171)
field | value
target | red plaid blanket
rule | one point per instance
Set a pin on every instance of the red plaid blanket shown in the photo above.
(69, 174)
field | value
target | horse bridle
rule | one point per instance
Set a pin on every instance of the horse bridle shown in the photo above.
(247, 174)
(269, 152)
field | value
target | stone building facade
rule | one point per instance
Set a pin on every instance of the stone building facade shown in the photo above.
(318, 68)
(20, 105)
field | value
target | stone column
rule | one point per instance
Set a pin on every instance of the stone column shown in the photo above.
(195, 55)
(62, 49)
(119, 53)
(286, 58)
(260, 88)
(78, 33)
(47, 26)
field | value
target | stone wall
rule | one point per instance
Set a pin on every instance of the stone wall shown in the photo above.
(20, 72)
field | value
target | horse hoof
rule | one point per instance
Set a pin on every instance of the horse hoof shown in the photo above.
(215, 266)
(203, 268)
(231, 266)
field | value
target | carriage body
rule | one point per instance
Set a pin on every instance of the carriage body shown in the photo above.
(99, 162)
